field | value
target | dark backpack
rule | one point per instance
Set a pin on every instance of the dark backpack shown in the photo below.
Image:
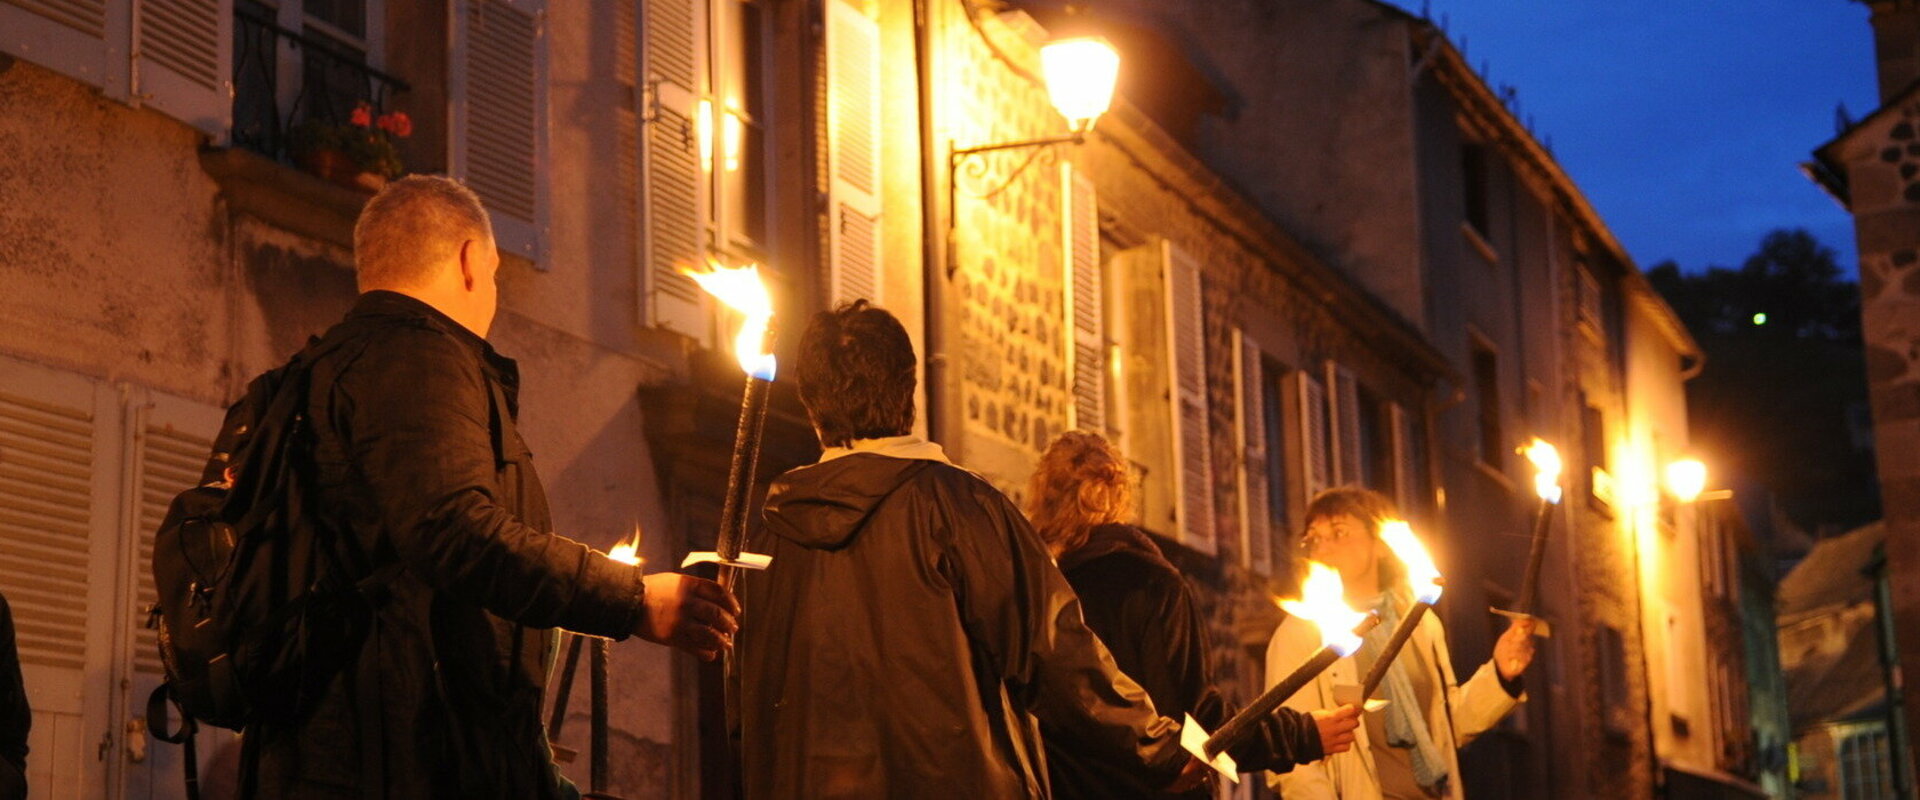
(257, 609)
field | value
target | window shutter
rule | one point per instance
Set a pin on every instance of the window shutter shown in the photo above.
(183, 61)
(1086, 350)
(1187, 346)
(853, 126)
(1348, 467)
(168, 445)
(671, 212)
(57, 471)
(500, 117)
(1314, 447)
(1256, 535)
(85, 40)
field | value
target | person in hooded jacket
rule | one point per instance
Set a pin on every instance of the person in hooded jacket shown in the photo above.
(912, 633)
(1140, 606)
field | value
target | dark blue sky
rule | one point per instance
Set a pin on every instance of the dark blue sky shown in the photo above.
(1683, 121)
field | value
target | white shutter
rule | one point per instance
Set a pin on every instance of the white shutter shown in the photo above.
(499, 86)
(671, 217)
(183, 61)
(1086, 348)
(1314, 449)
(59, 473)
(83, 39)
(853, 129)
(1256, 517)
(1349, 468)
(1186, 338)
(171, 439)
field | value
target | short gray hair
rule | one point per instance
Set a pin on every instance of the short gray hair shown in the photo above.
(412, 224)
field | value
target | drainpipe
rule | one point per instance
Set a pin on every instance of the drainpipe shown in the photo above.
(1890, 667)
(942, 390)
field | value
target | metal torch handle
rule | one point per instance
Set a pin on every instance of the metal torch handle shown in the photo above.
(1542, 522)
(1401, 634)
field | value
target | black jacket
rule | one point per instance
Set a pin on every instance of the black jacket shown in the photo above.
(16, 716)
(1140, 606)
(420, 463)
(908, 636)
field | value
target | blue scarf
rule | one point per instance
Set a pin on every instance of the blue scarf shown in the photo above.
(1406, 721)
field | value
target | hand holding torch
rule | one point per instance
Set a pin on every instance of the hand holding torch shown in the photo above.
(1341, 628)
(742, 290)
(1546, 483)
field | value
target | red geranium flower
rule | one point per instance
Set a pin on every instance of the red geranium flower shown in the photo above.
(396, 123)
(362, 115)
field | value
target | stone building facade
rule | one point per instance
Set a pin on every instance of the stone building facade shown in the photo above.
(1256, 289)
(1873, 169)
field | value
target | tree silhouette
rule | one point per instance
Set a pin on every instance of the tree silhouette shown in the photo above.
(1782, 400)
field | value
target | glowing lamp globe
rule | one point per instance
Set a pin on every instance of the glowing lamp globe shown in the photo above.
(1080, 73)
(1686, 479)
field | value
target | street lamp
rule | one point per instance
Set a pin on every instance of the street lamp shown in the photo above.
(1687, 481)
(1080, 72)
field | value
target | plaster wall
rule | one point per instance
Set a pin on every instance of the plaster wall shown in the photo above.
(126, 262)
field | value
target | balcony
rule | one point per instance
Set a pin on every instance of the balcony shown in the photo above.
(283, 79)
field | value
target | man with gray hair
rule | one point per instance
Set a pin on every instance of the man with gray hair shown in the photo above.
(418, 462)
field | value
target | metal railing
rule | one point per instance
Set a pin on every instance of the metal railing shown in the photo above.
(334, 79)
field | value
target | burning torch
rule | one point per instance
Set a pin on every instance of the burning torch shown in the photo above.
(1322, 603)
(742, 290)
(1546, 483)
(1424, 577)
(626, 552)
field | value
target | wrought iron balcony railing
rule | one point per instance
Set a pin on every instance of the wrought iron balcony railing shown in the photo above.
(333, 80)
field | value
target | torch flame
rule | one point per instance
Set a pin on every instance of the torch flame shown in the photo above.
(628, 550)
(1323, 603)
(1546, 469)
(1422, 575)
(741, 289)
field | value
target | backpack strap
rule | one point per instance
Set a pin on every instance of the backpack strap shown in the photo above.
(157, 703)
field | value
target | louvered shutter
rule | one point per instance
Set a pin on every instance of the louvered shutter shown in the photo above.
(1349, 467)
(853, 129)
(671, 217)
(1255, 516)
(183, 61)
(1086, 350)
(170, 441)
(1187, 347)
(58, 477)
(500, 117)
(1314, 444)
(83, 39)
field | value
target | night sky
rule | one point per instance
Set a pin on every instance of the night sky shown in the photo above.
(1683, 121)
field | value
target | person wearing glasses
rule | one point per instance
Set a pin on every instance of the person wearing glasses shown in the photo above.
(1138, 603)
(1407, 750)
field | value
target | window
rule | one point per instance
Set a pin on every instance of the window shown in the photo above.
(1273, 387)
(737, 107)
(304, 62)
(1611, 657)
(1376, 442)
(1588, 302)
(87, 469)
(1865, 760)
(1593, 448)
(1486, 392)
(1473, 187)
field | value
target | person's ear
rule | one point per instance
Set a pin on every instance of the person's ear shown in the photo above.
(467, 255)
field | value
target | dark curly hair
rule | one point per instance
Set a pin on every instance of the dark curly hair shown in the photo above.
(856, 374)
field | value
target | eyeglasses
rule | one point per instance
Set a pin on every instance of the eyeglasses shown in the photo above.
(1334, 532)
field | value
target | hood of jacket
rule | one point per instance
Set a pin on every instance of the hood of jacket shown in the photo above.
(823, 505)
(1106, 540)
